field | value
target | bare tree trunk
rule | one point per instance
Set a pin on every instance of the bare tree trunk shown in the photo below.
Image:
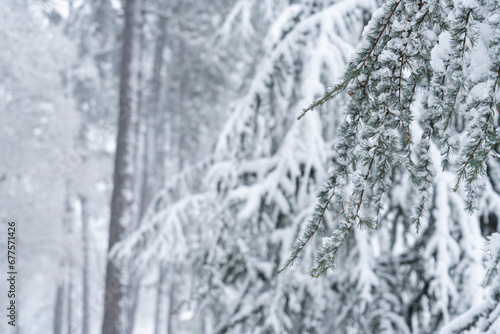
(86, 264)
(68, 221)
(59, 306)
(158, 118)
(58, 309)
(123, 203)
(156, 147)
(69, 312)
(178, 126)
(154, 155)
(172, 304)
(134, 279)
(160, 297)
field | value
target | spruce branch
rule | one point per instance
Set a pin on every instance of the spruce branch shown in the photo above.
(326, 257)
(337, 89)
(311, 229)
(406, 51)
(462, 171)
(460, 53)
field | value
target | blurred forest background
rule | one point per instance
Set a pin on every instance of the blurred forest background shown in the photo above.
(213, 177)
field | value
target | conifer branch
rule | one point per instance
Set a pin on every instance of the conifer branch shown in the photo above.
(462, 174)
(310, 231)
(321, 263)
(341, 87)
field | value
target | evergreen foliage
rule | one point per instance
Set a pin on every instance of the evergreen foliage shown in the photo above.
(431, 53)
(261, 181)
(409, 258)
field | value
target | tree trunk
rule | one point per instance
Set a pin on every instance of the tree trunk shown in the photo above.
(66, 260)
(159, 309)
(157, 123)
(154, 153)
(123, 202)
(134, 278)
(180, 114)
(172, 304)
(158, 118)
(85, 268)
(150, 135)
(69, 312)
(68, 229)
(58, 309)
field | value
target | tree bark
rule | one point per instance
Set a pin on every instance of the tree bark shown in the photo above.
(172, 304)
(85, 268)
(154, 154)
(180, 113)
(148, 131)
(134, 278)
(159, 309)
(58, 309)
(123, 202)
(68, 229)
(158, 118)
(64, 264)
(69, 312)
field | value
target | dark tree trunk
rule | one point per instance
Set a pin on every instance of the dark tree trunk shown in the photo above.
(86, 265)
(148, 131)
(158, 118)
(154, 153)
(134, 279)
(160, 299)
(69, 312)
(58, 309)
(181, 111)
(68, 229)
(123, 202)
(172, 304)
(61, 288)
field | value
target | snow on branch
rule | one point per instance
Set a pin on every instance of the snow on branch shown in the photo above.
(441, 51)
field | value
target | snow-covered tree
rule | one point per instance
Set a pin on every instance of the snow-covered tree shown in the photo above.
(261, 181)
(418, 91)
(413, 48)
(423, 87)
(484, 317)
(38, 121)
(267, 170)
